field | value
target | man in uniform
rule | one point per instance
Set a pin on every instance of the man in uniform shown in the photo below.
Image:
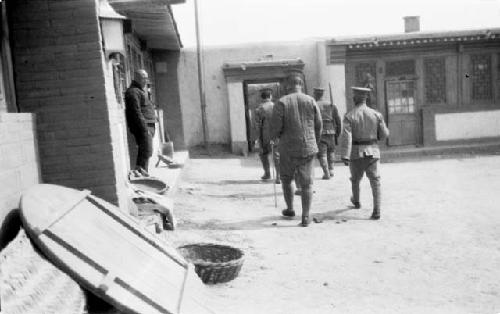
(141, 118)
(363, 128)
(331, 129)
(263, 116)
(297, 123)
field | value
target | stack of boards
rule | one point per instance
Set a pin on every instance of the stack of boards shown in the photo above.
(107, 252)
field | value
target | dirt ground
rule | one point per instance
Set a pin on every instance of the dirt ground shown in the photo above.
(435, 250)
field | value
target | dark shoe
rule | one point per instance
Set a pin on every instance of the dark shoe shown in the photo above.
(357, 205)
(375, 216)
(288, 212)
(266, 176)
(277, 181)
(326, 176)
(305, 221)
(143, 172)
(298, 192)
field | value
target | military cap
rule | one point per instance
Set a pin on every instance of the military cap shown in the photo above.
(360, 91)
(318, 89)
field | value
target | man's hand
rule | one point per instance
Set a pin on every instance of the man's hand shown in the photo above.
(346, 161)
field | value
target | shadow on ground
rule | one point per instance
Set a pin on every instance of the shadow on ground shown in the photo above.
(275, 221)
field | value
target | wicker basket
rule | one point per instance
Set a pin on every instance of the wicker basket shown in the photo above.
(29, 284)
(214, 263)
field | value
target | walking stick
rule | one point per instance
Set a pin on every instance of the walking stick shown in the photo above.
(274, 177)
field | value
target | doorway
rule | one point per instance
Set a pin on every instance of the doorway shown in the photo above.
(401, 112)
(252, 91)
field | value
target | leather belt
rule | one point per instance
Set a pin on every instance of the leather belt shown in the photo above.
(365, 142)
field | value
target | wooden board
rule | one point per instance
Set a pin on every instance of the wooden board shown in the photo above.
(106, 251)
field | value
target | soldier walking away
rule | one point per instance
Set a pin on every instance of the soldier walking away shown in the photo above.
(331, 130)
(363, 128)
(297, 123)
(141, 118)
(263, 116)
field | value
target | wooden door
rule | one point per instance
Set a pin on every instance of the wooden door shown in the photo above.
(401, 112)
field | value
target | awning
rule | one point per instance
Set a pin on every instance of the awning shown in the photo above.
(152, 21)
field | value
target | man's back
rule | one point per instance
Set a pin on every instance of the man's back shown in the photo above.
(264, 113)
(330, 117)
(297, 122)
(363, 127)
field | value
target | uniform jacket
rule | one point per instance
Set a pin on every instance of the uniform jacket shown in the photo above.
(263, 116)
(138, 109)
(362, 124)
(297, 123)
(330, 117)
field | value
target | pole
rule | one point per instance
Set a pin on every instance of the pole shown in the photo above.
(274, 176)
(201, 86)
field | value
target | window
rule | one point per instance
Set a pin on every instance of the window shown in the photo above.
(400, 68)
(481, 77)
(435, 80)
(366, 73)
(401, 97)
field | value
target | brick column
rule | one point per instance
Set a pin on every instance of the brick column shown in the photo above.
(61, 76)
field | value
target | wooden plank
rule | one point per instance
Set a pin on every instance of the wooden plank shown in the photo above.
(106, 251)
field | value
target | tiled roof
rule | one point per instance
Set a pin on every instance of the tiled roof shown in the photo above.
(416, 38)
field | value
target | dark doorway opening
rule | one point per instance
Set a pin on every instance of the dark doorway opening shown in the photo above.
(252, 91)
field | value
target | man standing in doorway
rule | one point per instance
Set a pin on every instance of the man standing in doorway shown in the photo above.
(331, 129)
(363, 128)
(263, 116)
(297, 123)
(141, 118)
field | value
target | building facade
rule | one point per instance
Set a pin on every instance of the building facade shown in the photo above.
(65, 67)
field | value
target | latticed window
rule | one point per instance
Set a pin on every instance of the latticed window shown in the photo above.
(481, 77)
(365, 76)
(400, 68)
(435, 80)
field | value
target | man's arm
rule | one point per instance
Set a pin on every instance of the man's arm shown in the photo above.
(133, 104)
(382, 130)
(277, 120)
(318, 122)
(346, 141)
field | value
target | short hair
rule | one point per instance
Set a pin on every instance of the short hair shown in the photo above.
(265, 94)
(295, 80)
(140, 73)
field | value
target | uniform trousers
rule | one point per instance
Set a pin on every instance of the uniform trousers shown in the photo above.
(358, 168)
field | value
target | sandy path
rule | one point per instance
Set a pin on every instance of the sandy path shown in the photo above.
(436, 249)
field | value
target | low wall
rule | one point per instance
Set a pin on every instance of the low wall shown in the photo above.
(19, 165)
(447, 125)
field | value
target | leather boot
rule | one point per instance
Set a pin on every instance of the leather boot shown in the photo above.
(265, 164)
(306, 204)
(288, 195)
(324, 166)
(375, 185)
(355, 195)
(330, 159)
(277, 168)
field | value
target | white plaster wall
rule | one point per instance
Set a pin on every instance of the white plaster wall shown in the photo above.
(218, 119)
(333, 74)
(236, 112)
(467, 125)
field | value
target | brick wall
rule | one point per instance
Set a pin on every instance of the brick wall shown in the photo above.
(19, 167)
(60, 75)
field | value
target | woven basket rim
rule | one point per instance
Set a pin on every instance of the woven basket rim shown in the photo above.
(201, 262)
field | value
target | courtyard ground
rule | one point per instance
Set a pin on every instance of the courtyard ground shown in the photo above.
(435, 250)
